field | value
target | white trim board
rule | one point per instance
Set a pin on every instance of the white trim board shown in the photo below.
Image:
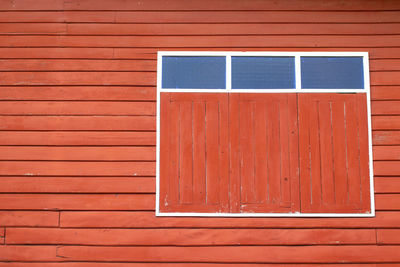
(298, 89)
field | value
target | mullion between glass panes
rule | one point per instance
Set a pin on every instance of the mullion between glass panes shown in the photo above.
(228, 70)
(297, 65)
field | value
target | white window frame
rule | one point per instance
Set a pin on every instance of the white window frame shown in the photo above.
(297, 56)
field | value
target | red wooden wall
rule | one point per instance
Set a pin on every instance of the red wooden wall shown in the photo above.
(77, 131)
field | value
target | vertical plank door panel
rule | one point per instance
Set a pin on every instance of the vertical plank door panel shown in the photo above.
(247, 153)
(234, 154)
(340, 142)
(273, 150)
(326, 160)
(263, 168)
(213, 149)
(287, 120)
(333, 137)
(260, 153)
(186, 152)
(194, 166)
(199, 154)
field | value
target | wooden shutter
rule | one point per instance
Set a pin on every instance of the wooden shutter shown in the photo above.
(243, 153)
(333, 144)
(194, 167)
(264, 152)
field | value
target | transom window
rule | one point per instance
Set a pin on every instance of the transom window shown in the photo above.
(289, 71)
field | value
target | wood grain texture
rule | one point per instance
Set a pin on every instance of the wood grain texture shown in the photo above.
(78, 78)
(387, 185)
(147, 53)
(115, 219)
(31, 5)
(386, 152)
(388, 236)
(382, 65)
(77, 123)
(386, 168)
(77, 185)
(29, 218)
(185, 237)
(77, 65)
(58, 52)
(105, 264)
(29, 253)
(73, 168)
(387, 201)
(206, 5)
(384, 78)
(385, 92)
(386, 122)
(386, 138)
(385, 107)
(34, 28)
(193, 16)
(213, 29)
(150, 52)
(77, 202)
(77, 138)
(225, 4)
(196, 29)
(363, 41)
(78, 153)
(296, 254)
(78, 93)
(78, 108)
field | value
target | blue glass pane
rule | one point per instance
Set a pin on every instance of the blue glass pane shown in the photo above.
(263, 73)
(193, 72)
(332, 73)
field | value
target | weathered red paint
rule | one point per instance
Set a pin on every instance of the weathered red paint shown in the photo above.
(51, 54)
(194, 152)
(334, 157)
(289, 152)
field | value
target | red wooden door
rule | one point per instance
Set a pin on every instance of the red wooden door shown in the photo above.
(333, 138)
(194, 165)
(264, 152)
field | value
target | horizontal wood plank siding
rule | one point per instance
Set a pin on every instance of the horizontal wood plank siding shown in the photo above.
(233, 254)
(78, 132)
(122, 219)
(181, 237)
(108, 264)
(29, 218)
(77, 184)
